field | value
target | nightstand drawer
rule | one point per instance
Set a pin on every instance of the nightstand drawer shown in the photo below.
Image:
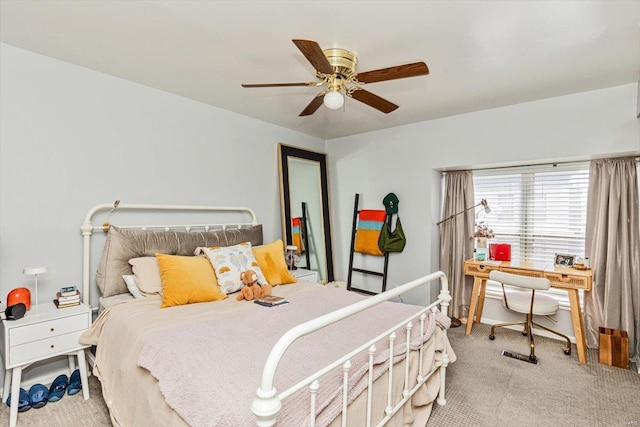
(45, 347)
(47, 329)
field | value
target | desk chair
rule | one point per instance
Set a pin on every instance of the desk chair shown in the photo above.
(526, 303)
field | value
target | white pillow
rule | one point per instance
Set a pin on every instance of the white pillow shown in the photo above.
(147, 273)
(130, 280)
(228, 262)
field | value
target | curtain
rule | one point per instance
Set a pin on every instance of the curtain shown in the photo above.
(613, 246)
(456, 244)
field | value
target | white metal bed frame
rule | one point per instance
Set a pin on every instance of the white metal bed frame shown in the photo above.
(268, 401)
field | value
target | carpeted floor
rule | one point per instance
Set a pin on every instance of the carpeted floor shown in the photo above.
(483, 389)
(487, 389)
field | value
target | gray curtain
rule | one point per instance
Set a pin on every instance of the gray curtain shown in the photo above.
(613, 246)
(455, 236)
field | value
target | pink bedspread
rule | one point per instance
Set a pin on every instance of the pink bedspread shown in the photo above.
(208, 372)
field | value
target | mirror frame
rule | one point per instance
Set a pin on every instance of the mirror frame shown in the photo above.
(285, 152)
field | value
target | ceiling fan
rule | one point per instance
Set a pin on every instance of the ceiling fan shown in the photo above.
(336, 68)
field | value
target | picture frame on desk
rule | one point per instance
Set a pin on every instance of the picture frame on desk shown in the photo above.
(564, 260)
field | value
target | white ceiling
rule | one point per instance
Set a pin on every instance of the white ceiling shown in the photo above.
(481, 54)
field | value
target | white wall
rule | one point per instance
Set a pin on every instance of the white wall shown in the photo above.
(406, 160)
(71, 138)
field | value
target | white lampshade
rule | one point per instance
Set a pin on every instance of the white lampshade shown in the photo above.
(30, 271)
(333, 100)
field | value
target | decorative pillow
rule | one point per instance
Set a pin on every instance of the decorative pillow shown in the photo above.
(272, 263)
(147, 274)
(186, 280)
(229, 262)
(130, 280)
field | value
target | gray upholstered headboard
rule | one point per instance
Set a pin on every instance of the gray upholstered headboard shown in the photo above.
(123, 244)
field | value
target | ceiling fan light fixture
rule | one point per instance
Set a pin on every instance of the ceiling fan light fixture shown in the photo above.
(336, 70)
(333, 100)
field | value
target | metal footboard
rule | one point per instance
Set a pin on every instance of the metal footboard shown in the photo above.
(268, 401)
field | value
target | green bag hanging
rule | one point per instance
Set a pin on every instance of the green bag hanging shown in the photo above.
(392, 241)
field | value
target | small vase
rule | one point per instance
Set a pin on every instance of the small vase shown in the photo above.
(481, 242)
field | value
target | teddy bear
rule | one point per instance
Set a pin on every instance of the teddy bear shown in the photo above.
(252, 289)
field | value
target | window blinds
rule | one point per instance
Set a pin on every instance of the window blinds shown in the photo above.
(539, 210)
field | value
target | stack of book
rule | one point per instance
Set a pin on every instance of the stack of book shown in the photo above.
(67, 297)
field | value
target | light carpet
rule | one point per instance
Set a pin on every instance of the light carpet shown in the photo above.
(483, 389)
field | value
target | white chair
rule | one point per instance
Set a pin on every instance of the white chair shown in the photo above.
(526, 303)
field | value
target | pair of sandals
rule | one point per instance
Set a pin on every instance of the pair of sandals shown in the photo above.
(39, 395)
(61, 384)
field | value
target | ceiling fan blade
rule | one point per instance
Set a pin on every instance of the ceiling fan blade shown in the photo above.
(314, 54)
(313, 105)
(392, 73)
(276, 84)
(372, 100)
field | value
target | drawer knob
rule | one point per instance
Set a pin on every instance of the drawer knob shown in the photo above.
(52, 329)
(52, 346)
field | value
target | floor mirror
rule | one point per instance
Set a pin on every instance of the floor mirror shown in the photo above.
(304, 200)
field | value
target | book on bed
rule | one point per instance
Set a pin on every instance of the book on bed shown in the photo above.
(271, 301)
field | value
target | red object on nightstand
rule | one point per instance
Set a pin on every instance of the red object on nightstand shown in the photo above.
(17, 295)
(500, 251)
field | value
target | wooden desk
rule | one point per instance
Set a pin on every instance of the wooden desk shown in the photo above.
(560, 277)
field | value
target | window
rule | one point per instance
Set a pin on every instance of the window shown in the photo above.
(539, 210)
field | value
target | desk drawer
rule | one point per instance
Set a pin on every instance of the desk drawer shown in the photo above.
(48, 329)
(479, 270)
(567, 281)
(45, 348)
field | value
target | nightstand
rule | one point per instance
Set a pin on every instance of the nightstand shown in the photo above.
(308, 275)
(44, 332)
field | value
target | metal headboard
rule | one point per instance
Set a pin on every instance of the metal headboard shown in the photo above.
(88, 228)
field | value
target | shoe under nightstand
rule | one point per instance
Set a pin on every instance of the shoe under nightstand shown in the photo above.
(44, 332)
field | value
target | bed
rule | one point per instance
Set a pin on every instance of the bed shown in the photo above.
(329, 357)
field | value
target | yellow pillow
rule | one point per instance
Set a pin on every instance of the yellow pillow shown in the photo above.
(271, 261)
(186, 280)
